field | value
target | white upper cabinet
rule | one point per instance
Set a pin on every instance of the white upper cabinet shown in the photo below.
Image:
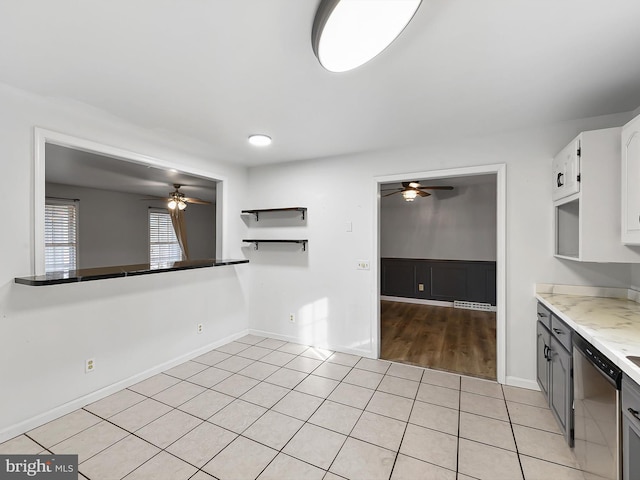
(566, 171)
(630, 182)
(586, 199)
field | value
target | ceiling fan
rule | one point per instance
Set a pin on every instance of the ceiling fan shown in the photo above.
(177, 199)
(411, 190)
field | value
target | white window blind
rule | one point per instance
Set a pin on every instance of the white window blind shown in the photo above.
(60, 235)
(164, 248)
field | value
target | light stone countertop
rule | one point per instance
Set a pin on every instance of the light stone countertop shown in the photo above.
(612, 325)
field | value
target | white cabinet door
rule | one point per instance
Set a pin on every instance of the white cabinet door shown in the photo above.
(631, 182)
(566, 171)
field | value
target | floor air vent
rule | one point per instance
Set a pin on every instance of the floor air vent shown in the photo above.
(485, 307)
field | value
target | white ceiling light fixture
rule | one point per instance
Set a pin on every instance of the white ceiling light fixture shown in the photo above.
(410, 195)
(349, 33)
(260, 140)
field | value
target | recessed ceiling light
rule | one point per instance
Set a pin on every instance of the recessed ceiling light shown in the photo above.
(349, 33)
(260, 140)
(173, 170)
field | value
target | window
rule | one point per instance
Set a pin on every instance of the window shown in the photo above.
(60, 235)
(164, 248)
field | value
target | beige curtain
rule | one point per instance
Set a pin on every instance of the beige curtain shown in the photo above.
(180, 227)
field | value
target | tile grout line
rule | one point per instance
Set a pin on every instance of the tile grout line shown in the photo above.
(515, 442)
(354, 425)
(406, 426)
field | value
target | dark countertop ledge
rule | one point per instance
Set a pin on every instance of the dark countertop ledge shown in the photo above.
(89, 274)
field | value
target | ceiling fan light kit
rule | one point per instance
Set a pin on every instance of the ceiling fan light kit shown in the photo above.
(411, 190)
(409, 195)
(178, 200)
(348, 33)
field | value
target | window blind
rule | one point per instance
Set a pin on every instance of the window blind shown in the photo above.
(60, 236)
(164, 248)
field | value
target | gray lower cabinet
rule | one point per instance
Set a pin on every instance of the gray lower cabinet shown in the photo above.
(542, 368)
(630, 429)
(560, 397)
(554, 368)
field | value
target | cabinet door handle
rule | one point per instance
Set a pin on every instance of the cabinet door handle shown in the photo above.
(635, 413)
(542, 315)
(545, 352)
(559, 179)
(558, 331)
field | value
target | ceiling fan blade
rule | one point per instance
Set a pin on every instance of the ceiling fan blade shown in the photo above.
(154, 198)
(196, 200)
(423, 194)
(392, 189)
(392, 193)
(438, 187)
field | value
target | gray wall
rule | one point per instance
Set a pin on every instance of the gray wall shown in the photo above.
(114, 226)
(449, 225)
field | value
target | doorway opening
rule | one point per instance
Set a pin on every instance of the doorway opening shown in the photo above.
(441, 270)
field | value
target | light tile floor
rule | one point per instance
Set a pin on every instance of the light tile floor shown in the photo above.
(266, 409)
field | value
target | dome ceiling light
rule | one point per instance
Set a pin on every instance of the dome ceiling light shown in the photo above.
(349, 33)
(260, 140)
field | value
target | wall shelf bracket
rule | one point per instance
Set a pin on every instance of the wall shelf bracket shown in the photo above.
(257, 212)
(257, 242)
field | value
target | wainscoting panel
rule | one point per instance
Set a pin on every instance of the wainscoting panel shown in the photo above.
(447, 280)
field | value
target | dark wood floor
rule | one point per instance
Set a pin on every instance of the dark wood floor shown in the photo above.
(452, 339)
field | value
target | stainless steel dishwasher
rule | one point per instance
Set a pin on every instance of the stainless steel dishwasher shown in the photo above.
(596, 389)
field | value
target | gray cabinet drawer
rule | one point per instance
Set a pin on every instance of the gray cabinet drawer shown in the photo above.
(561, 331)
(544, 315)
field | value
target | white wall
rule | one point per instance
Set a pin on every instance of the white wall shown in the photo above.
(448, 225)
(129, 325)
(114, 226)
(334, 301)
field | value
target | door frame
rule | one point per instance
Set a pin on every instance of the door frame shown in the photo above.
(501, 253)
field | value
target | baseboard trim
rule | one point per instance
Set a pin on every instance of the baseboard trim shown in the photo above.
(522, 383)
(57, 412)
(417, 301)
(328, 346)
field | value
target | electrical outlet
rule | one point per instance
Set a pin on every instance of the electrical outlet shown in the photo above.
(363, 265)
(199, 328)
(421, 287)
(292, 318)
(89, 365)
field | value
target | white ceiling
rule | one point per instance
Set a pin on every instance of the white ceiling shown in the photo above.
(76, 167)
(217, 70)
